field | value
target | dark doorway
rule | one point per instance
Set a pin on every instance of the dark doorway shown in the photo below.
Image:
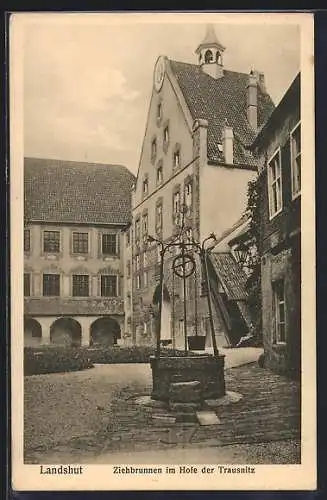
(105, 332)
(66, 331)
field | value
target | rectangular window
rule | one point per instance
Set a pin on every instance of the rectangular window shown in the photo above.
(159, 111)
(138, 282)
(27, 240)
(176, 201)
(51, 241)
(51, 285)
(279, 303)
(296, 160)
(137, 230)
(80, 242)
(145, 186)
(176, 207)
(275, 184)
(177, 159)
(109, 244)
(27, 284)
(109, 286)
(153, 149)
(145, 278)
(166, 135)
(159, 175)
(137, 263)
(80, 285)
(128, 237)
(145, 226)
(128, 268)
(188, 195)
(159, 217)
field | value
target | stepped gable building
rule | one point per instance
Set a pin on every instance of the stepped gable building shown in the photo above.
(75, 219)
(279, 185)
(201, 121)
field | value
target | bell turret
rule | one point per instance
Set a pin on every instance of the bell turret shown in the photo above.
(210, 54)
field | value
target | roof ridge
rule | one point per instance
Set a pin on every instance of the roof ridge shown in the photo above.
(197, 65)
(77, 162)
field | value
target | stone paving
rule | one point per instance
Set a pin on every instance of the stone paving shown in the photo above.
(268, 412)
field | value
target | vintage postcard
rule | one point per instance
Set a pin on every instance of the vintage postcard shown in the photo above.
(162, 251)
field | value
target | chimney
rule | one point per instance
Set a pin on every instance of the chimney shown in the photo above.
(252, 101)
(228, 144)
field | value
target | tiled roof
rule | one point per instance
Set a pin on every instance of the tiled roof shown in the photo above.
(220, 100)
(230, 274)
(73, 192)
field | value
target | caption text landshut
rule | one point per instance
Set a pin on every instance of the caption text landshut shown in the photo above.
(122, 470)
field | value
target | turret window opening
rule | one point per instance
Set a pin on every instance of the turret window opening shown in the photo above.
(208, 57)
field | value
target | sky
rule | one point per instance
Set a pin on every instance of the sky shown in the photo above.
(87, 85)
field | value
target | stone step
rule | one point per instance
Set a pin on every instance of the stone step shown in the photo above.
(185, 407)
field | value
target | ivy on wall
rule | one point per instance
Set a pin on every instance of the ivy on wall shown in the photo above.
(253, 285)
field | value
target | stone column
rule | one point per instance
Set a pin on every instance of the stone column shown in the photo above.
(86, 322)
(45, 323)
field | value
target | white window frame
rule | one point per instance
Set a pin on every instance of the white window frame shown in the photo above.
(277, 321)
(297, 193)
(269, 183)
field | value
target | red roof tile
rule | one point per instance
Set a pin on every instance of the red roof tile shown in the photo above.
(77, 192)
(218, 100)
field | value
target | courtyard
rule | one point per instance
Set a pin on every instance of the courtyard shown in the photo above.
(93, 416)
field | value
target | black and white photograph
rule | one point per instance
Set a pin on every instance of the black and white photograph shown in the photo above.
(162, 230)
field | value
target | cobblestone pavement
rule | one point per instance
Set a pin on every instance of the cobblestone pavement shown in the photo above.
(263, 426)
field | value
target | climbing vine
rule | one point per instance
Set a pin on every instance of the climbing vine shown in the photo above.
(253, 284)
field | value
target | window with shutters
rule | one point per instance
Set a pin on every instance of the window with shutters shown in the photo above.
(274, 180)
(296, 160)
(81, 285)
(80, 242)
(51, 241)
(109, 286)
(279, 310)
(51, 285)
